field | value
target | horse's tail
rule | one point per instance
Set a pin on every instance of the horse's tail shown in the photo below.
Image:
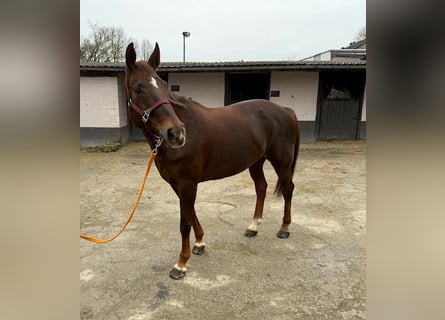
(278, 188)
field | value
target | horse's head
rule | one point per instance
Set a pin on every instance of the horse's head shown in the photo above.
(149, 98)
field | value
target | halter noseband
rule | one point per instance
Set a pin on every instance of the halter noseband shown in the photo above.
(145, 114)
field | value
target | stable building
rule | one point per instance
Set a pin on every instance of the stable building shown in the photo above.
(328, 96)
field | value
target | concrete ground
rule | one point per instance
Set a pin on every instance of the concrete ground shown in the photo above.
(317, 273)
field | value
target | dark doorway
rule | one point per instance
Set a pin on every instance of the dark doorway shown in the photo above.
(246, 86)
(339, 107)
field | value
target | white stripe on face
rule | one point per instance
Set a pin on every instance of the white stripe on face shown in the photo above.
(153, 82)
(254, 225)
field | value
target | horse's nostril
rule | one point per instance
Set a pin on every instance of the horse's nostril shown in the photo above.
(170, 134)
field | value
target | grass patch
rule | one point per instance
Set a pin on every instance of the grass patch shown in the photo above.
(107, 147)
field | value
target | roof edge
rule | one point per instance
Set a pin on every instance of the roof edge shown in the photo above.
(113, 68)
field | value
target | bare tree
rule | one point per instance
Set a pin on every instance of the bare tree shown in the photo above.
(108, 44)
(104, 44)
(117, 43)
(145, 49)
(94, 47)
(361, 34)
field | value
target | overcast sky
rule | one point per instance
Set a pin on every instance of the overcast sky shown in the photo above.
(232, 30)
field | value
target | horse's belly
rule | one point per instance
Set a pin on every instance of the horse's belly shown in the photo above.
(226, 166)
(222, 172)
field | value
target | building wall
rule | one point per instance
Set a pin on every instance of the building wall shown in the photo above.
(298, 90)
(122, 101)
(103, 115)
(362, 134)
(364, 106)
(323, 56)
(99, 102)
(205, 88)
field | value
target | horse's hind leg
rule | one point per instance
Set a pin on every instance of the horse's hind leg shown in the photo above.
(286, 188)
(287, 195)
(257, 174)
(199, 246)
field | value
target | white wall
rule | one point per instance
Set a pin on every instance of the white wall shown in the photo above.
(298, 90)
(206, 88)
(364, 106)
(99, 103)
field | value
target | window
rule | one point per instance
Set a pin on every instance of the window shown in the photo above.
(174, 88)
(275, 93)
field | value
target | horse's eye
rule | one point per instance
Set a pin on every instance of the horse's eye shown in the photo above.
(138, 90)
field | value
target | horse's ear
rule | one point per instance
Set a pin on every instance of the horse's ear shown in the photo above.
(155, 58)
(130, 56)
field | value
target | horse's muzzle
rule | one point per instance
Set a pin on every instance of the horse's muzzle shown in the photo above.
(176, 137)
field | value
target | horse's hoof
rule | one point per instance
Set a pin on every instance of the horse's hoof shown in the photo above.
(283, 234)
(250, 233)
(198, 250)
(177, 274)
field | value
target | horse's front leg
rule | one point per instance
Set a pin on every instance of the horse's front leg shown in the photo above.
(187, 196)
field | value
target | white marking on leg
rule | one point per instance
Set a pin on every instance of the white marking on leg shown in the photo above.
(254, 225)
(183, 269)
(153, 82)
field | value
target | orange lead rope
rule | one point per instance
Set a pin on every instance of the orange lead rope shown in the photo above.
(92, 239)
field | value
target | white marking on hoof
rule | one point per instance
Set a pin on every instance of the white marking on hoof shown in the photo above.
(183, 269)
(254, 225)
(86, 275)
(200, 244)
(153, 82)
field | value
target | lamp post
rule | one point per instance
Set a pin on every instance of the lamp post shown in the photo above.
(185, 34)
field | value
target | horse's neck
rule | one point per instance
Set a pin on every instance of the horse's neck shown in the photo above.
(191, 110)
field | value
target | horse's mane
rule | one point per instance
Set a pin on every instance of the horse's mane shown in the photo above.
(181, 101)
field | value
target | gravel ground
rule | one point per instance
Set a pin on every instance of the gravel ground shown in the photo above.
(317, 273)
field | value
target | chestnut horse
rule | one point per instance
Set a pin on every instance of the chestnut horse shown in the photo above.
(195, 144)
